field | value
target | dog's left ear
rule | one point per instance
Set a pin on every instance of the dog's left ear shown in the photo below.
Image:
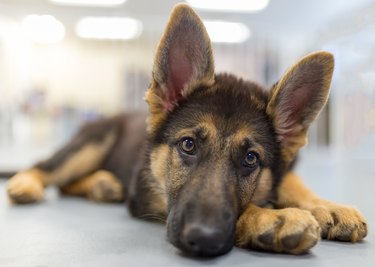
(183, 62)
(296, 100)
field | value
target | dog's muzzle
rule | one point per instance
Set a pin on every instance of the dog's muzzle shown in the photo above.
(202, 234)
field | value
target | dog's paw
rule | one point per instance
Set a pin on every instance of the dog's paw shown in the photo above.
(289, 230)
(105, 188)
(339, 222)
(25, 187)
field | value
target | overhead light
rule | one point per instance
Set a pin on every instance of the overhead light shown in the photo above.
(226, 32)
(232, 5)
(43, 29)
(108, 28)
(99, 3)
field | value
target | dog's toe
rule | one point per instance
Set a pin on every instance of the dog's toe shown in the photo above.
(288, 231)
(106, 188)
(339, 222)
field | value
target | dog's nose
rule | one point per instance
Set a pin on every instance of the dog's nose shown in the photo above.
(204, 240)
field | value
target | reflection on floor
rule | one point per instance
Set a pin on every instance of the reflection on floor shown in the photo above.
(74, 232)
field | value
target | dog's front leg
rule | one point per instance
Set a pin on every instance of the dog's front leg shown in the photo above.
(288, 230)
(338, 222)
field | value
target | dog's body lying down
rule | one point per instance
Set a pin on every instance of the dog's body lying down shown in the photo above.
(217, 154)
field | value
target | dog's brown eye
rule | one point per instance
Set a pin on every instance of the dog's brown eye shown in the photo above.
(187, 145)
(251, 159)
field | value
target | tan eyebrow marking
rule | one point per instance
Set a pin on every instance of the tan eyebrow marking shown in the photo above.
(246, 133)
(206, 128)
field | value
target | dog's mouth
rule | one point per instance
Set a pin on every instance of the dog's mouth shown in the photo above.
(201, 237)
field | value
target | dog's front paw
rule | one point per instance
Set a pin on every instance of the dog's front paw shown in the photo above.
(289, 230)
(25, 187)
(339, 222)
(105, 188)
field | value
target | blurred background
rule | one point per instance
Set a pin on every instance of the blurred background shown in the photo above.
(65, 62)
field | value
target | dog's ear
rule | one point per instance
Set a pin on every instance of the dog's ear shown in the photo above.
(297, 99)
(183, 62)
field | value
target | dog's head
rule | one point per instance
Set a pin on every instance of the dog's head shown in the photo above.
(219, 142)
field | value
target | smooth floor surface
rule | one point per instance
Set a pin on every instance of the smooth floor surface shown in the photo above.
(66, 232)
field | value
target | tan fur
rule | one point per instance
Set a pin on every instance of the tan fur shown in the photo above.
(293, 193)
(244, 133)
(298, 137)
(159, 156)
(207, 123)
(27, 186)
(337, 221)
(159, 206)
(158, 86)
(84, 161)
(155, 105)
(101, 186)
(263, 187)
(290, 149)
(287, 230)
(207, 126)
(178, 174)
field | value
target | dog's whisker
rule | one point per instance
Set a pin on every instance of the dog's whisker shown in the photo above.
(153, 217)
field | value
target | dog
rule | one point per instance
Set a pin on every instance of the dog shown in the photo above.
(215, 158)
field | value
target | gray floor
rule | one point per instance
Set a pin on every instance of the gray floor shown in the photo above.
(74, 232)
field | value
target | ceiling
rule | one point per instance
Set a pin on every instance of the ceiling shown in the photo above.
(281, 17)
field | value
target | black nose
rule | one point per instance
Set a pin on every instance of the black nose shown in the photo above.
(203, 240)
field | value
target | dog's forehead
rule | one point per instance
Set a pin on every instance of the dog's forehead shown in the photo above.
(219, 124)
(213, 127)
(232, 108)
(231, 103)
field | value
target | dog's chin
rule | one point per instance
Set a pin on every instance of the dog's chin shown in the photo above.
(174, 235)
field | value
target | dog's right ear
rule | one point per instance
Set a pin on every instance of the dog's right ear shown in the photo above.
(296, 100)
(183, 62)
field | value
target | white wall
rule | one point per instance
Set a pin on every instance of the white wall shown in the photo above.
(85, 74)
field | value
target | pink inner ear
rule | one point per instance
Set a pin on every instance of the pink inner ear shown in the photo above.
(180, 73)
(300, 99)
(297, 103)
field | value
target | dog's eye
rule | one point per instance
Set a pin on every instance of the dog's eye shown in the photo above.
(251, 159)
(187, 145)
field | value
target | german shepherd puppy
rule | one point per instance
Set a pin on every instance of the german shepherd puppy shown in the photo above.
(217, 156)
